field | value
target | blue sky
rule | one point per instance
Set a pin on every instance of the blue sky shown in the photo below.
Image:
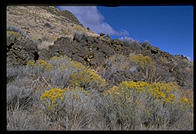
(168, 27)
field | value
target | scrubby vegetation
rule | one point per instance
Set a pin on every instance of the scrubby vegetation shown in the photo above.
(16, 31)
(155, 105)
(62, 94)
(79, 28)
(62, 76)
(147, 65)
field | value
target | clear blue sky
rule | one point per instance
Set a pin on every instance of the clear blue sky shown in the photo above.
(168, 27)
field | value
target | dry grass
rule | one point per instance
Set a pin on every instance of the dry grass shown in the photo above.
(44, 45)
(164, 60)
(188, 93)
(188, 69)
(31, 20)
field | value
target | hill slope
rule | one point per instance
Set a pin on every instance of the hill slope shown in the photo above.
(45, 24)
(62, 76)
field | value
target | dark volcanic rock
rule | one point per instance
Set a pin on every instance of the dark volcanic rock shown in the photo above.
(20, 51)
(45, 54)
(85, 49)
(102, 34)
(79, 35)
(93, 51)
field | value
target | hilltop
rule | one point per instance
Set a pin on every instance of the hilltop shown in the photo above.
(39, 22)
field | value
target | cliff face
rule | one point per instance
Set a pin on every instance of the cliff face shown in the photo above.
(43, 32)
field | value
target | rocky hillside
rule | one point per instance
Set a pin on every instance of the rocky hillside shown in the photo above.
(43, 22)
(62, 76)
(42, 32)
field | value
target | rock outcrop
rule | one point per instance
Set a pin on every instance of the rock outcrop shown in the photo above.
(93, 51)
(19, 52)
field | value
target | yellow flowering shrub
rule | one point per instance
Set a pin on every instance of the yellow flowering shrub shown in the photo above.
(56, 58)
(149, 100)
(50, 97)
(77, 65)
(160, 91)
(184, 102)
(164, 91)
(42, 63)
(93, 74)
(141, 60)
(86, 78)
(62, 66)
(127, 85)
(83, 76)
(139, 86)
(31, 63)
(77, 74)
(79, 79)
